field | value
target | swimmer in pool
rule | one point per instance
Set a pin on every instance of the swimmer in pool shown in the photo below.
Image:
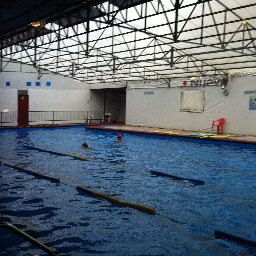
(120, 137)
(85, 145)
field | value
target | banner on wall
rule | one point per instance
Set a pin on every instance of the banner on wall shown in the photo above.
(192, 101)
(252, 102)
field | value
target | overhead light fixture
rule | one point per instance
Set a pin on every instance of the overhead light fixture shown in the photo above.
(38, 23)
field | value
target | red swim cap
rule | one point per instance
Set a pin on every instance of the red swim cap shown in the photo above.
(119, 136)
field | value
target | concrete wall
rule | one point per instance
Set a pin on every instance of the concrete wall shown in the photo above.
(160, 107)
(97, 104)
(54, 93)
(62, 94)
(146, 104)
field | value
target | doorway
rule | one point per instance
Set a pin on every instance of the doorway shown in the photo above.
(23, 108)
(111, 103)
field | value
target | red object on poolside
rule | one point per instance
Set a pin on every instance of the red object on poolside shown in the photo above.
(220, 124)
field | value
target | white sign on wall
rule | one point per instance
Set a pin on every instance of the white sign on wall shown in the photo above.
(250, 92)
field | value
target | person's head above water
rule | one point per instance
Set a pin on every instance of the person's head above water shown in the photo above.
(120, 136)
(85, 144)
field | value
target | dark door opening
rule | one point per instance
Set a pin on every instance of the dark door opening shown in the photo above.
(114, 105)
(110, 103)
(23, 108)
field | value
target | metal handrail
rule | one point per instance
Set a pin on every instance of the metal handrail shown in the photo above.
(27, 118)
(27, 238)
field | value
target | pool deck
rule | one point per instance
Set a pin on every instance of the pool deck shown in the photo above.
(166, 132)
(149, 130)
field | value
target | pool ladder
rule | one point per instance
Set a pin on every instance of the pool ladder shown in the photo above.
(27, 238)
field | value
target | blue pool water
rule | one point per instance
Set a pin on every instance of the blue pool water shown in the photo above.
(76, 223)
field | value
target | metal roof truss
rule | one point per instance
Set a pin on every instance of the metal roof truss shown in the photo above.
(119, 41)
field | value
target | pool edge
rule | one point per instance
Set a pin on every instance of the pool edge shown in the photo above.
(100, 127)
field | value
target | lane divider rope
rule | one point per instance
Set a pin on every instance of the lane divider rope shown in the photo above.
(78, 157)
(43, 150)
(56, 153)
(114, 200)
(176, 177)
(218, 234)
(31, 172)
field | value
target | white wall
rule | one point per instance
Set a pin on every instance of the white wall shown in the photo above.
(64, 94)
(97, 104)
(8, 99)
(59, 100)
(160, 107)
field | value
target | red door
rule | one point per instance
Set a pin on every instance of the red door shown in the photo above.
(23, 110)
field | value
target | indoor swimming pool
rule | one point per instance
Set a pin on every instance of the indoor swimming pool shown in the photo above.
(73, 222)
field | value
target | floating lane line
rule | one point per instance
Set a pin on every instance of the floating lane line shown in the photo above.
(77, 157)
(31, 172)
(84, 190)
(111, 199)
(220, 234)
(56, 153)
(43, 150)
(176, 177)
(140, 207)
